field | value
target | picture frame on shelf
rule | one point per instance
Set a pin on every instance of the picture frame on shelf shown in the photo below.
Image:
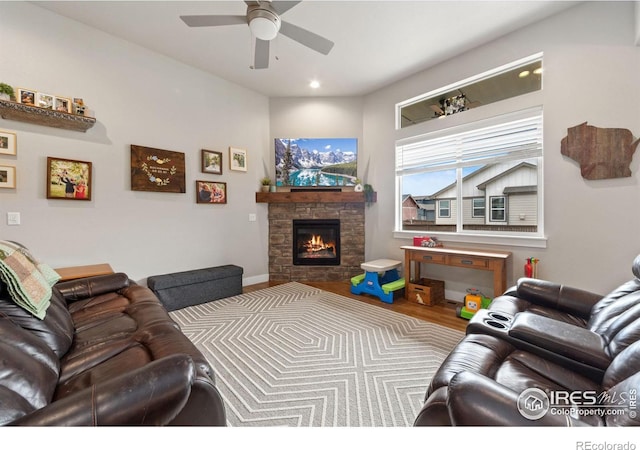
(211, 162)
(62, 104)
(237, 159)
(44, 101)
(212, 192)
(7, 176)
(8, 143)
(27, 96)
(68, 179)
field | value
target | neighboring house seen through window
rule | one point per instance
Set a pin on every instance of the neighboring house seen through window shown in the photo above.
(481, 177)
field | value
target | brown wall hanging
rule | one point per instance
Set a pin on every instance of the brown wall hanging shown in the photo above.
(601, 152)
(157, 170)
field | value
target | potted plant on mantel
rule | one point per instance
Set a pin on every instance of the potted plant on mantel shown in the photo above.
(265, 182)
(6, 92)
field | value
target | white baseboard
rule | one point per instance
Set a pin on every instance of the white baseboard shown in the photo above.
(255, 279)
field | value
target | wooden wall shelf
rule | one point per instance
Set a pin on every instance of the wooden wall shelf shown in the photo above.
(312, 197)
(47, 117)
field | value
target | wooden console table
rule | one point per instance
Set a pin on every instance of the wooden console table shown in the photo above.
(75, 272)
(490, 260)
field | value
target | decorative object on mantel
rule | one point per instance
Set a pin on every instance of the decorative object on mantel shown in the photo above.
(8, 143)
(46, 117)
(157, 170)
(6, 92)
(601, 152)
(369, 194)
(265, 183)
(358, 187)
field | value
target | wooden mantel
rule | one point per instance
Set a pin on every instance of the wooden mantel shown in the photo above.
(311, 197)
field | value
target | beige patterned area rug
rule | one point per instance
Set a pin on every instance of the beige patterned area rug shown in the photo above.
(294, 355)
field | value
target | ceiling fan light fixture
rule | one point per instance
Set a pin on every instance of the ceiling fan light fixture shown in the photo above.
(264, 24)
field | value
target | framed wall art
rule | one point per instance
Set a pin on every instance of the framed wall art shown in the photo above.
(44, 100)
(8, 143)
(68, 179)
(157, 170)
(7, 176)
(212, 162)
(63, 104)
(27, 97)
(237, 159)
(211, 192)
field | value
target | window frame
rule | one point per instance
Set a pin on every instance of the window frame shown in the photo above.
(535, 239)
(474, 208)
(448, 208)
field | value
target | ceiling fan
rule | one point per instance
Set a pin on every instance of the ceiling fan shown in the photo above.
(263, 18)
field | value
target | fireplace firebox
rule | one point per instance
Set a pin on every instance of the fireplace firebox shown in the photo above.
(316, 242)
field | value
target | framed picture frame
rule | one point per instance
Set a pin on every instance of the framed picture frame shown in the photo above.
(237, 159)
(68, 179)
(27, 96)
(211, 162)
(212, 192)
(62, 104)
(8, 143)
(44, 100)
(157, 170)
(7, 176)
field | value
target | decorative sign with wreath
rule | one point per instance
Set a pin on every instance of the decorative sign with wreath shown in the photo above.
(157, 170)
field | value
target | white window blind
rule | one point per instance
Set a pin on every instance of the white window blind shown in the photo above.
(509, 137)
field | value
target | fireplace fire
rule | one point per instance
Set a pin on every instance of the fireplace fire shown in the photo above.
(316, 242)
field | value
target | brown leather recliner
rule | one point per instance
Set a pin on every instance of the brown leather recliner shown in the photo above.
(547, 340)
(107, 353)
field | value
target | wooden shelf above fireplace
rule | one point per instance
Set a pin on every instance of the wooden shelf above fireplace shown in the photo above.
(312, 197)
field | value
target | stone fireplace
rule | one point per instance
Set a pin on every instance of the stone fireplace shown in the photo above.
(346, 209)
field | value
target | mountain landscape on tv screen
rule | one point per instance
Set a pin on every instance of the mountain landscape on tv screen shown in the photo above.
(316, 162)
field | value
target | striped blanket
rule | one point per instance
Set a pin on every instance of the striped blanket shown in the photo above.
(28, 281)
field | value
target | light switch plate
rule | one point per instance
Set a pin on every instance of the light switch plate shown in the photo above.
(13, 218)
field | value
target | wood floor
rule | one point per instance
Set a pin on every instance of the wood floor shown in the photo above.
(441, 314)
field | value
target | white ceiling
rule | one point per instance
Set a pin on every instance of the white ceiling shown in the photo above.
(376, 42)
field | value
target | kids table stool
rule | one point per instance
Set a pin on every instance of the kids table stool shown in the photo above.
(381, 279)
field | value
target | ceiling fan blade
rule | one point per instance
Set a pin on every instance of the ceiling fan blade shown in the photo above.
(306, 38)
(282, 6)
(261, 59)
(213, 21)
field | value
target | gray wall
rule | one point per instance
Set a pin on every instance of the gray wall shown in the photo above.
(591, 67)
(141, 98)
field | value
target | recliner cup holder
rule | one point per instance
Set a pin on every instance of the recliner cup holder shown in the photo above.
(496, 324)
(500, 317)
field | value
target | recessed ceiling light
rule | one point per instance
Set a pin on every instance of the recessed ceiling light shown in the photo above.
(315, 84)
(538, 71)
(524, 73)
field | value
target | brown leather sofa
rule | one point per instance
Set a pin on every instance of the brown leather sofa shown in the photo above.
(567, 343)
(107, 353)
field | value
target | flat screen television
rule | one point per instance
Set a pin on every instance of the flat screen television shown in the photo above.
(316, 162)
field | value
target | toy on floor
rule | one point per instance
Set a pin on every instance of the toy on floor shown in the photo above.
(381, 279)
(473, 302)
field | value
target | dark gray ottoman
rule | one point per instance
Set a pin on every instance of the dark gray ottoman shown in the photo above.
(193, 287)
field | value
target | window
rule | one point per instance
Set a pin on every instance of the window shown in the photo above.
(498, 209)
(481, 177)
(444, 208)
(478, 207)
(508, 81)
